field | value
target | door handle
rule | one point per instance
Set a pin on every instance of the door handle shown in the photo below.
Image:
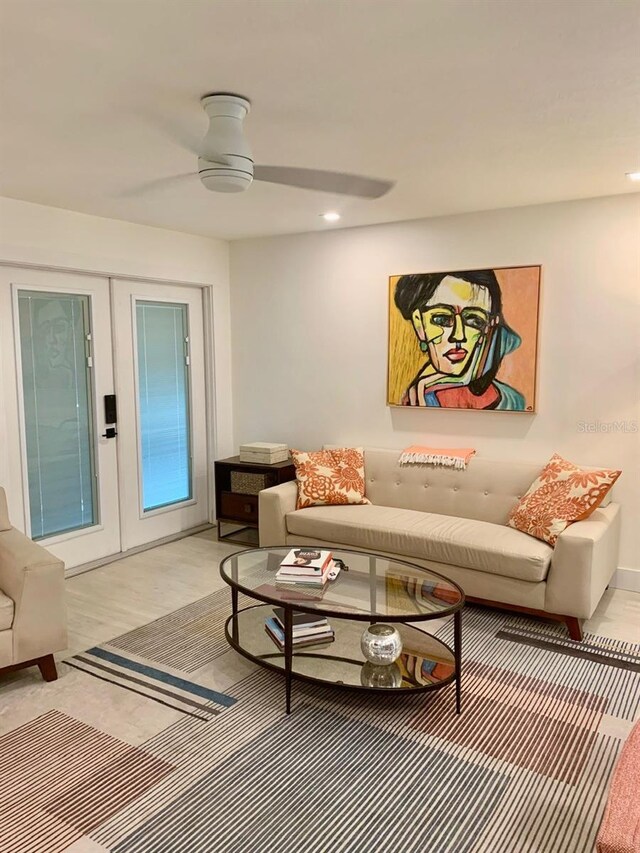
(110, 433)
(110, 409)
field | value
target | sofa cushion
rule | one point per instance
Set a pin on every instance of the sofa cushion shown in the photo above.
(6, 611)
(561, 495)
(465, 542)
(330, 477)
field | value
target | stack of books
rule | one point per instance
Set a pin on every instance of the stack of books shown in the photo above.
(309, 629)
(305, 568)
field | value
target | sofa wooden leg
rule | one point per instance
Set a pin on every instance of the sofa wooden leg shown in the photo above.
(47, 667)
(574, 627)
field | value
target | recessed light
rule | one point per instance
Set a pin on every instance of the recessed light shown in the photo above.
(633, 176)
(331, 216)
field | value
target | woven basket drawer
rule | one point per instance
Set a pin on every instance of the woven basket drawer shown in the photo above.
(247, 483)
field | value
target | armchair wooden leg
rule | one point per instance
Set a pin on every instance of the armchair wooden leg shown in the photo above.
(574, 627)
(47, 667)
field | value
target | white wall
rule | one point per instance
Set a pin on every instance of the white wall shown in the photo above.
(35, 234)
(309, 336)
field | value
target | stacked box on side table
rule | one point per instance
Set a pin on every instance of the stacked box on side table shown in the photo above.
(237, 484)
(264, 452)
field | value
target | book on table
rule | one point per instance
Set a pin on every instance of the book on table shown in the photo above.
(301, 635)
(292, 592)
(302, 581)
(302, 622)
(305, 562)
(301, 644)
(313, 570)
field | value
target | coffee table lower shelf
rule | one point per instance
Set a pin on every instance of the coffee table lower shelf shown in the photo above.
(426, 663)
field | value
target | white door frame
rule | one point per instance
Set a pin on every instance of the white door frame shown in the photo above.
(210, 392)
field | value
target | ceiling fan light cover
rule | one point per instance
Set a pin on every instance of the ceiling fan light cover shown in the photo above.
(226, 161)
(223, 178)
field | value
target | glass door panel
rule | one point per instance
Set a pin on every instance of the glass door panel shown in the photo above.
(162, 335)
(55, 340)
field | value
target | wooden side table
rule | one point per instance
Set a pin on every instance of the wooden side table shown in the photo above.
(236, 486)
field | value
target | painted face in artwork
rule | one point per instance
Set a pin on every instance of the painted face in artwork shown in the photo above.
(453, 323)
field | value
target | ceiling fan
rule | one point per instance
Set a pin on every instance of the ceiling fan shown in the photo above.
(225, 162)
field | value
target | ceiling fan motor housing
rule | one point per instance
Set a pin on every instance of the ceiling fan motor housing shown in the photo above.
(226, 162)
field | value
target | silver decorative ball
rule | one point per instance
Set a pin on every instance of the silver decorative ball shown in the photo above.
(380, 675)
(381, 644)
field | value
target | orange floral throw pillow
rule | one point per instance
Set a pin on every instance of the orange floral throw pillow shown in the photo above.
(562, 494)
(327, 477)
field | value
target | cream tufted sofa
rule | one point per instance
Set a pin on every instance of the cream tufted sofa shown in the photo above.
(454, 522)
(32, 602)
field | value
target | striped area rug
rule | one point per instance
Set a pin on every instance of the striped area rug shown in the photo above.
(186, 639)
(524, 769)
(153, 682)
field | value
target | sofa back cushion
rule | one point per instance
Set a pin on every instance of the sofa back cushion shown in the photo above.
(486, 490)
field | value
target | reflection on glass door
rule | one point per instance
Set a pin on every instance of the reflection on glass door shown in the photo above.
(162, 335)
(55, 339)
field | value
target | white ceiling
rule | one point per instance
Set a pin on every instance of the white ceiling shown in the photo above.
(467, 104)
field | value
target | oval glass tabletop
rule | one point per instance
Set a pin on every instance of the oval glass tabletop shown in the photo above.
(370, 586)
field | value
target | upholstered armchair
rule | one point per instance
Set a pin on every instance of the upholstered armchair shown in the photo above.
(32, 602)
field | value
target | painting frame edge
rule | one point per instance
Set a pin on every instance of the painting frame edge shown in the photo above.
(533, 410)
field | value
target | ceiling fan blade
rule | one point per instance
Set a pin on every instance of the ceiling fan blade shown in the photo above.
(156, 184)
(328, 182)
(173, 130)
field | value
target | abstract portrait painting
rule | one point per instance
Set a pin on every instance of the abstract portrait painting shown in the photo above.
(464, 339)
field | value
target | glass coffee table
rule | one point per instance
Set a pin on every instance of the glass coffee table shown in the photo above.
(370, 590)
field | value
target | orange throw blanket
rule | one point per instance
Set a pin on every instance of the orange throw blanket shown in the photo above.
(449, 457)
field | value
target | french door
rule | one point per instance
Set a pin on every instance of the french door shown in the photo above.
(162, 439)
(62, 476)
(103, 385)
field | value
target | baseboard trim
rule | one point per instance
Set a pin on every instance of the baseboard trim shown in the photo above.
(628, 579)
(104, 561)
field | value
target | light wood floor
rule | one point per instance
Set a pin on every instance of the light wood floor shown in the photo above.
(131, 592)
